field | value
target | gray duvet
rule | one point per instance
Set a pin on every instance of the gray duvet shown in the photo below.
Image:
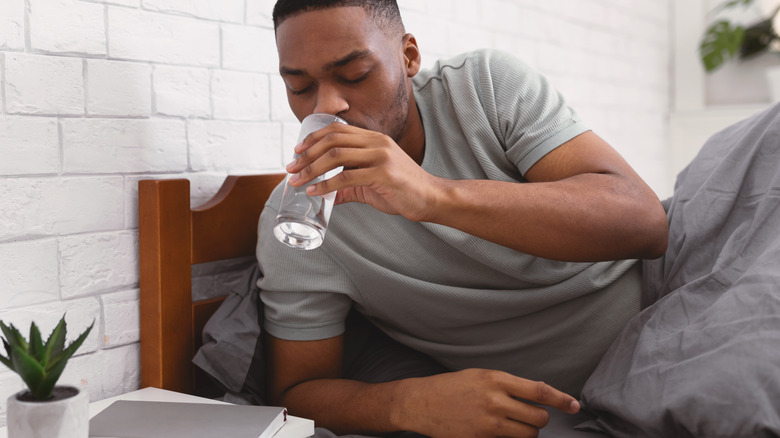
(703, 359)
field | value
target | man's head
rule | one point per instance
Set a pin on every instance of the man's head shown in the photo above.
(349, 58)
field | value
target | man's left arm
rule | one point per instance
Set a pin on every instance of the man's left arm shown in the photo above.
(583, 202)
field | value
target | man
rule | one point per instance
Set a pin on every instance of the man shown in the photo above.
(477, 222)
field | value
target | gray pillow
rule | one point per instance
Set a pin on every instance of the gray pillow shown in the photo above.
(231, 351)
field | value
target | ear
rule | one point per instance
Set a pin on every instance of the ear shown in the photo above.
(412, 58)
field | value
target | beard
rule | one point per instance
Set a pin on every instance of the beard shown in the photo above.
(398, 115)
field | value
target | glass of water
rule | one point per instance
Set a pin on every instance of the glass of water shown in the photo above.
(303, 219)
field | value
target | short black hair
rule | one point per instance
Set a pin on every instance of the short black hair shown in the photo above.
(385, 12)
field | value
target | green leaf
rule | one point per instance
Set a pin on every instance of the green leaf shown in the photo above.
(13, 336)
(36, 345)
(738, 2)
(721, 42)
(7, 347)
(52, 375)
(56, 341)
(6, 361)
(68, 352)
(30, 370)
(757, 39)
(731, 4)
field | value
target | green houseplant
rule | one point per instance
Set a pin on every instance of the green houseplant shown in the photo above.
(724, 40)
(44, 409)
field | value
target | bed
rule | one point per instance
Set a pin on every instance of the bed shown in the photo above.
(701, 360)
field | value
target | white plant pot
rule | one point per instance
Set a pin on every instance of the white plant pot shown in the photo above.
(66, 418)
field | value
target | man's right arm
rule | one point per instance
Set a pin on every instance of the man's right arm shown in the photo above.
(306, 377)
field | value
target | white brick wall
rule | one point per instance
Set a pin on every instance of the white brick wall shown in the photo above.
(223, 146)
(123, 145)
(67, 26)
(36, 84)
(91, 263)
(249, 48)
(30, 146)
(150, 36)
(98, 94)
(30, 272)
(12, 25)
(182, 91)
(32, 207)
(116, 88)
(240, 96)
(122, 323)
(224, 10)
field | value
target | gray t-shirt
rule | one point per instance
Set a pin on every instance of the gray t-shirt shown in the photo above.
(463, 300)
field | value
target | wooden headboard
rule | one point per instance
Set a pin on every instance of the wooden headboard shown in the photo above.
(173, 237)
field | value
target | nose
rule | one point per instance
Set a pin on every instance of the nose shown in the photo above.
(330, 100)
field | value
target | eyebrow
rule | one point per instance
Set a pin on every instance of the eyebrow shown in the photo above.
(357, 54)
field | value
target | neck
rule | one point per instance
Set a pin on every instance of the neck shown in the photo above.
(413, 140)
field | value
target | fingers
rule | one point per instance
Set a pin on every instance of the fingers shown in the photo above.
(544, 394)
(346, 178)
(362, 154)
(479, 402)
(520, 411)
(510, 428)
(337, 146)
(349, 158)
(314, 137)
(534, 416)
(319, 142)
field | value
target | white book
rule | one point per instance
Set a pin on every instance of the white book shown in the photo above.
(148, 419)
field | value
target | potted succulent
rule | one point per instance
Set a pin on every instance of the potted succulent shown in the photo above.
(44, 409)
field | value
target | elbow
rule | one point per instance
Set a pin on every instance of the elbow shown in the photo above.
(656, 248)
(655, 235)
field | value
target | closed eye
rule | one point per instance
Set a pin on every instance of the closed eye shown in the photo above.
(300, 92)
(358, 80)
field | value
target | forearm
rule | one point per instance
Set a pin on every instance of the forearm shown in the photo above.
(467, 403)
(587, 217)
(348, 406)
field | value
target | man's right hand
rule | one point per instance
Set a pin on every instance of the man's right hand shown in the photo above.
(305, 377)
(480, 403)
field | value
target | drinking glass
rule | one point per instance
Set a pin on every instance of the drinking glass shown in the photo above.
(303, 219)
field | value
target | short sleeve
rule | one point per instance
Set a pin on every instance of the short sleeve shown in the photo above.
(532, 117)
(305, 294)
